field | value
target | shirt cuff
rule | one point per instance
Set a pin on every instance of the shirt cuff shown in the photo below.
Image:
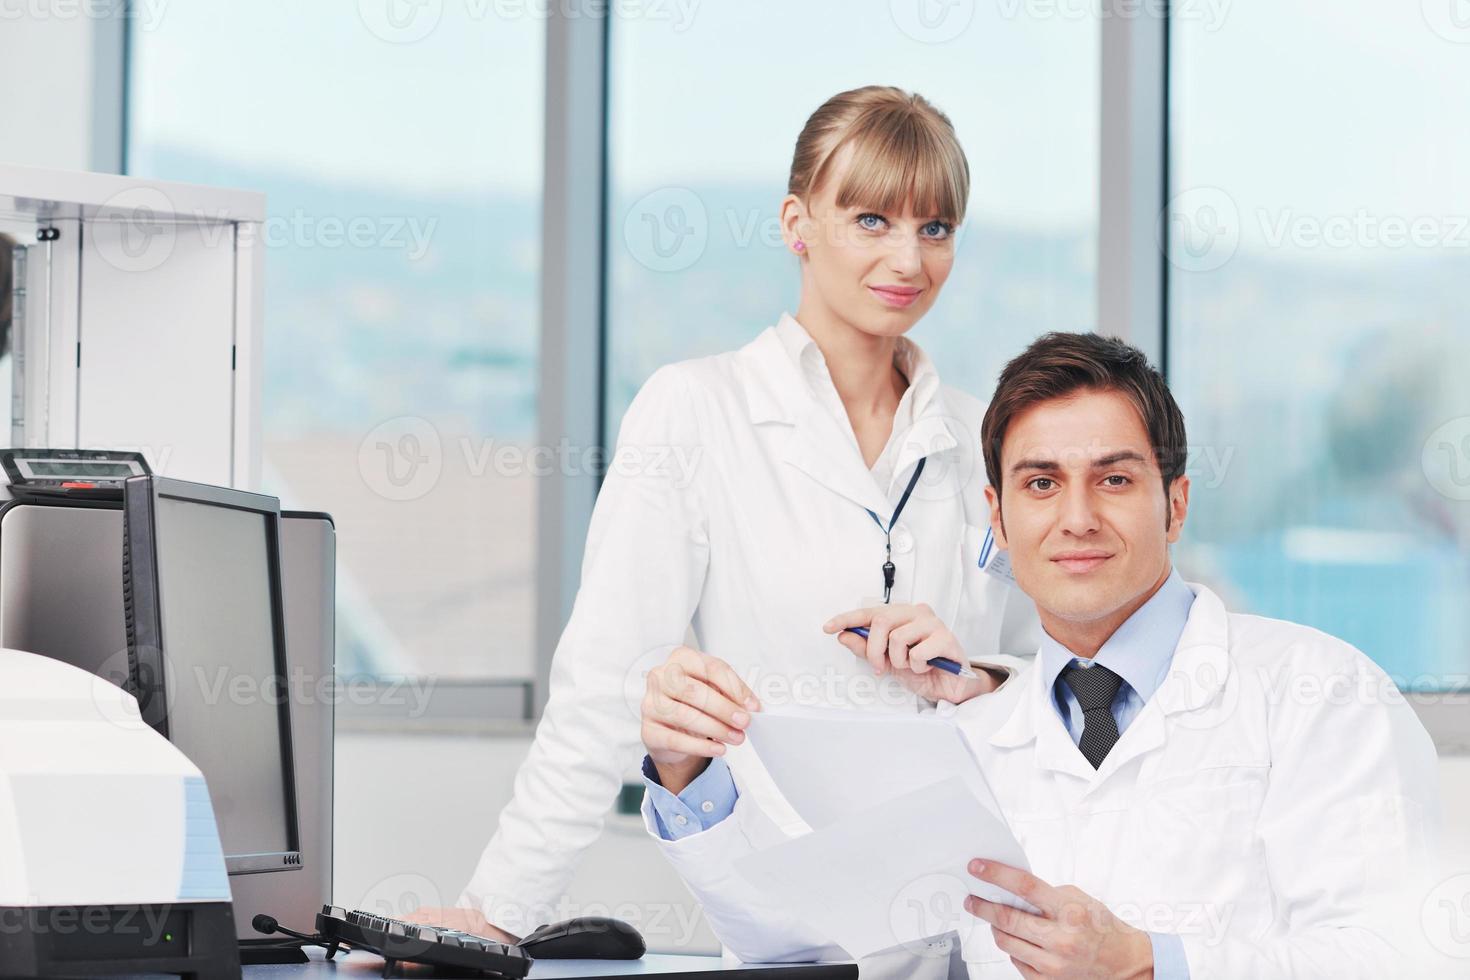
(1169, 961)
(706, 801)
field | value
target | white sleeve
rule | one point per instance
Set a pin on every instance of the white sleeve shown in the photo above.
(1349, 825)
(751, 927)
(642, 574)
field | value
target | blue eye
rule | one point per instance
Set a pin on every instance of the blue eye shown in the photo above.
(938, 229)
(874, 224)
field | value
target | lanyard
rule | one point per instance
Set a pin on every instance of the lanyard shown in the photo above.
(888, 567)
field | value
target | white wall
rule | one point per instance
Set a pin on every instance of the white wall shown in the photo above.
(414, 811)
(46, 75)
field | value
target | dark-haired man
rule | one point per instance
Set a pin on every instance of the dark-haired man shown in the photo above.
(1200, 793)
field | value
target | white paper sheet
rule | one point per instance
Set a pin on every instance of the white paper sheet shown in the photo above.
(829, 764)
(893, 874)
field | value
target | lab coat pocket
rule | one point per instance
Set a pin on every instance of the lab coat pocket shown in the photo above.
(1198, 831)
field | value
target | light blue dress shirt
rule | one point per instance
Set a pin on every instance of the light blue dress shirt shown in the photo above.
(1140, 652)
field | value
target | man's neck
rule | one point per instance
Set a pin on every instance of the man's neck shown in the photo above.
(1085, 639)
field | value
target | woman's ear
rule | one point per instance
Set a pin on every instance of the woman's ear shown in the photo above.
(795, 223)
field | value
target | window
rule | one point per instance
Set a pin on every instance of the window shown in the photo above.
(697, 172)
(400, 148)
(1319, 241)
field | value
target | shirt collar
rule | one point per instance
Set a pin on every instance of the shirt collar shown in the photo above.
(1140, 650)
(908, 357)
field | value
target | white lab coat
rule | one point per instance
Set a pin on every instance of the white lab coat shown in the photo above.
(735, 503)
(1275, 804)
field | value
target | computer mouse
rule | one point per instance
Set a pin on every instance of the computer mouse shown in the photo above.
(589, 937)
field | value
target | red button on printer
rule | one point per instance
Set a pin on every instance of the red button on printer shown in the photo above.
(75, 485)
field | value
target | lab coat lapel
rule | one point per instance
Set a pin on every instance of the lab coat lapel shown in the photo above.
(1034, 720)
(1197, 672)
(819, 446)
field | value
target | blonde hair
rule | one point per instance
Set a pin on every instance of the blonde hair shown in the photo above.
(903, 149)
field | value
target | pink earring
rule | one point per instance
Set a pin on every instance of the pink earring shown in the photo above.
(799, 245)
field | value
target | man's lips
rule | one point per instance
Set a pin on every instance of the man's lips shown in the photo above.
(1080, 562)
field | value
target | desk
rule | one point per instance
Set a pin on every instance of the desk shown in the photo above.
(363, 965)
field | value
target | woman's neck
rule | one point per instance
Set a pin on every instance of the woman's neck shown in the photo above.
(860, 365)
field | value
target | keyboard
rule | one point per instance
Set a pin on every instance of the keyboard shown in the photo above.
(408, 942)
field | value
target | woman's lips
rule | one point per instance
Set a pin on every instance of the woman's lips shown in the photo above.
(896, 296)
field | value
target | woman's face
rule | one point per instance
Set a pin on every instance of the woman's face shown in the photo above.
(879, 272)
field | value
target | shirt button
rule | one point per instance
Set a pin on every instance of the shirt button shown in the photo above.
(707, 806)
(903, 540)
(681, 820)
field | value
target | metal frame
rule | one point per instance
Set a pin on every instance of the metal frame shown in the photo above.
(573, 236)
(1133, 145)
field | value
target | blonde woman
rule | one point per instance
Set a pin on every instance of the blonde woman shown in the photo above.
(759, 493)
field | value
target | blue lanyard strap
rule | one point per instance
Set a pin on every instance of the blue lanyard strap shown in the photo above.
(888, 566)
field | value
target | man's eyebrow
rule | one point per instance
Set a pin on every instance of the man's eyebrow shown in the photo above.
(1045, 465)
(1102, 462)
(1123, 455)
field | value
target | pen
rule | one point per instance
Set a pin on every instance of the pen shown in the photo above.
(943, 663)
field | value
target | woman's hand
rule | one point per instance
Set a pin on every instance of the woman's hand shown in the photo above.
(903, 639)
(462, 920)
(694, 705)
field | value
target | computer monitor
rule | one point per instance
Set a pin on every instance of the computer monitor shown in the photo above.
(207, 653)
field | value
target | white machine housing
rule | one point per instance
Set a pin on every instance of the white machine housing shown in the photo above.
(98, 812)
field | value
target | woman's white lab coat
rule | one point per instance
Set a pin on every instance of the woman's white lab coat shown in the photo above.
(1275, 804)
(736, 502)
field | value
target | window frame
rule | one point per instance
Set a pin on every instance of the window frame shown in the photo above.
(1134, 186)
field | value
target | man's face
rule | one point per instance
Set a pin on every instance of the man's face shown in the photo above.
(1083, 509)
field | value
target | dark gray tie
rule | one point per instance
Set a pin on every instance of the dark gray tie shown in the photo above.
(1095, 687)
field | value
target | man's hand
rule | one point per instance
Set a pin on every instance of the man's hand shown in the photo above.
(462, 920)
(694, 705)
(904, 638)
(1075, 936)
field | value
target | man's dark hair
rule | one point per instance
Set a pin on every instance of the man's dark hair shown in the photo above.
(1060, 364)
